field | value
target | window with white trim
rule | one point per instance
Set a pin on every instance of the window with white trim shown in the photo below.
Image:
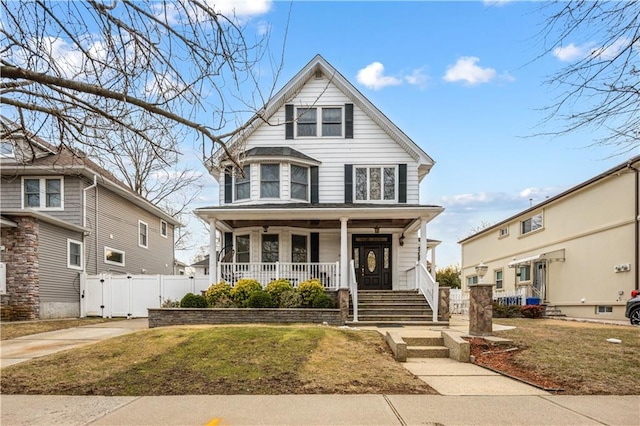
(243, 248)
(524, 273)
(531, 224)
(269, 180)
(299, 182)
(7, 150)
(42, 193)
(243, 183)
(113, 256)
(143, 234)
(472, 280)
(331, 119)
(497, 274)
(270, 248)
(163, 228)
(299, 250)
(604, 309)
(74, 254)
(375, 183)
(503, 232)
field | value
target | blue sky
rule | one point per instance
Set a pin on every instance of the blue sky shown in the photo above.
(459, 78)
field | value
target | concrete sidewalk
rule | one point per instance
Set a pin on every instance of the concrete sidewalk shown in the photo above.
(320, 410)
(25, 348)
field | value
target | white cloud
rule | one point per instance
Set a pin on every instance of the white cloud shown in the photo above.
(569, 52)
(241, 8)
(466, 70)
(372, 77)
(418, 77)
(609, 52)
(496, 2)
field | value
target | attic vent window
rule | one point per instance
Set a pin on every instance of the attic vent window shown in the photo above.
(318, 74)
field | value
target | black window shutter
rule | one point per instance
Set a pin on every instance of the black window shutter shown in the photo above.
(402, 183)
(288, 117)
(228, 185)
(314, 185)
(315, 247)
(348, 183)
(348, 121)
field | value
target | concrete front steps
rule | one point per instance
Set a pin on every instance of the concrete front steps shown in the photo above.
(426, 347)
(415, 344)
(387, 307)
(551, 311)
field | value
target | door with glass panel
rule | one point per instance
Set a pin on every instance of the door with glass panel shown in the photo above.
(372, 261)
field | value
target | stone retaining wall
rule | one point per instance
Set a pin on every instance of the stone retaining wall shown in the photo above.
(179, 316)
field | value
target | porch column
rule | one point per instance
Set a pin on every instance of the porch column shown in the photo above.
(344, 254)
(423, 241)
(213, 264)
(433, 262)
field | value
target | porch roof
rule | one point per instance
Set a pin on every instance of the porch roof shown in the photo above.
(320, 216)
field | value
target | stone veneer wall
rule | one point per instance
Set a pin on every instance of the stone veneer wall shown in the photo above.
(178, 316)
(21, 255)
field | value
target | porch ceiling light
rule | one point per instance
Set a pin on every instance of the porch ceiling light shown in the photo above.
(376, 229)
(265, 229)
(402, 239)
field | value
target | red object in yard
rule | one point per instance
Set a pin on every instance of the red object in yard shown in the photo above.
(634, 293)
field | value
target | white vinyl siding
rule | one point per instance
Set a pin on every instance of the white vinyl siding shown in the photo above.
(370, 143)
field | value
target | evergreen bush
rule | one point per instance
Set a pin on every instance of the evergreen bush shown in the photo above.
(308, 290)
(290, 299)
(323, 301)
(278, 287)
(219, 295)
(243, 289)
(260, 299)
(506, 311)
(191, 300)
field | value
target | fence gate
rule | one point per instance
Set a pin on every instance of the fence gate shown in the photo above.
(107, 295)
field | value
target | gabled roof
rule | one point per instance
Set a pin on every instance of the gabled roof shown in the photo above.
(319, 64)
(632, 163)
(62, 160)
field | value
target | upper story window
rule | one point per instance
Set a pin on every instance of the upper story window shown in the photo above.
(300, 182)
(42, 193)
(531, 224)
(269, 180)
(243, 184)
(7, 150)
(330, 118)
(163, 228)
(375, 183)
(143, 234)
(503, 232)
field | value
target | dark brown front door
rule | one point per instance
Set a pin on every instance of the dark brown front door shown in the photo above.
(372, 260)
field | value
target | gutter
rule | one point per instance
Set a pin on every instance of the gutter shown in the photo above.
(637, 224)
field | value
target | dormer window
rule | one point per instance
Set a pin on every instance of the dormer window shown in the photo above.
(308, 118)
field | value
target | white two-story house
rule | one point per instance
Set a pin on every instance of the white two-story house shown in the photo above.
(327, 181)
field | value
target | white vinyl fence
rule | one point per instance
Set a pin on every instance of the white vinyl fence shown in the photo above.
(459, 300)
(109, 295)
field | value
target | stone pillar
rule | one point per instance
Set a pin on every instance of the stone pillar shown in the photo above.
(443, 304)
(22, 301)
(343, 304)
(481, 309)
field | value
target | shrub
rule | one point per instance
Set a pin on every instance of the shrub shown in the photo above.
(290, 299)
(308, 290)
(243, 289)
(532, 311)
(323, 301)
(276, 288)
(170, 303)
(216, 294)
(191, 300)
(505, 311)
(260, 299)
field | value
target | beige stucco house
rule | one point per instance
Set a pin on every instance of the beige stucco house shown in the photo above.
(577, 252)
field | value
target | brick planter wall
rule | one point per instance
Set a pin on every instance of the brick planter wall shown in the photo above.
(179, 316)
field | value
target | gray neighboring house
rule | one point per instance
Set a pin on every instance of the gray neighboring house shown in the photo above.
(62, 215)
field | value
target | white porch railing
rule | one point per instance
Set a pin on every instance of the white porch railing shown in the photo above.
(353, 289)
(296, 273)
(511, 297)
(425, 283)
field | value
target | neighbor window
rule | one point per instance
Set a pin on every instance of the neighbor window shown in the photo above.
(42, 193)
(269, 181)
(503, 231)
(375, 183)
(498, 279)
(331, 120)
(524, 273)
(270, 248)
(472, 280)
(243, 184)
(163, 228)
(74, 254)
(143, 232)
(243, 248)
(299, 248)
(604, 309)
(6, 150)
(531, 224)
(299, 182)
(113, 256)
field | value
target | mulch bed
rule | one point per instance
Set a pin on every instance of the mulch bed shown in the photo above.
(502, 359)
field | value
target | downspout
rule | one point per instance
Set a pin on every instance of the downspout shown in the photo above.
(84, 219)
(637, 224)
